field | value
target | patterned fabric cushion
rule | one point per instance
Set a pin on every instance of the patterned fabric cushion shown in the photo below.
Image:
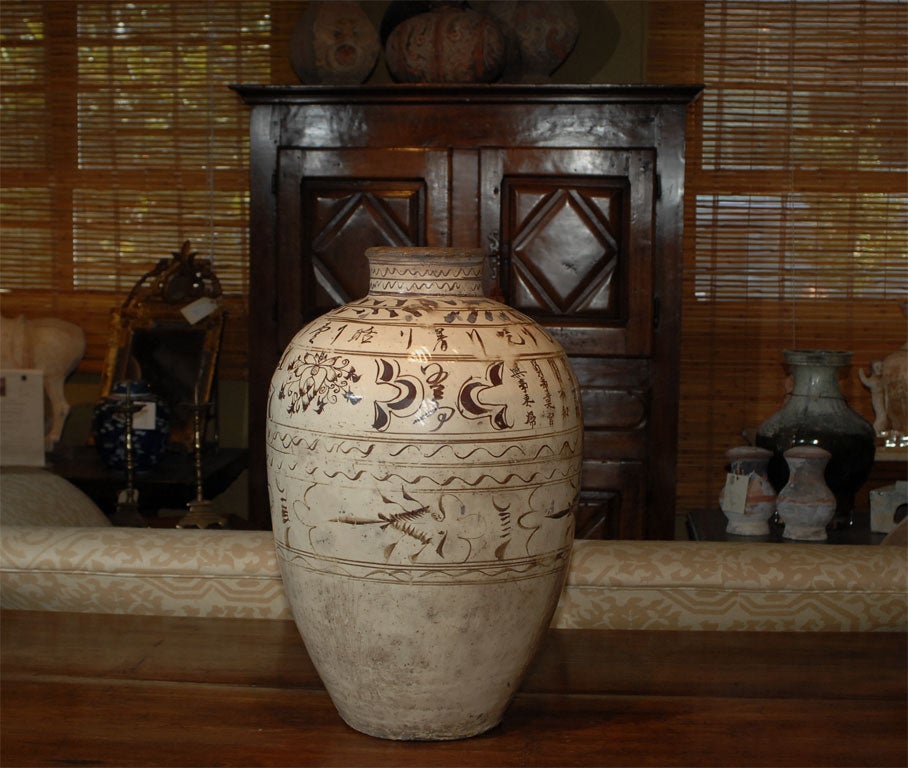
(735, 586)
(141, 571)
(610, 585)
(34, 496)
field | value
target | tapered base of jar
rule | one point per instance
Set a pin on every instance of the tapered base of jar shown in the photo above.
(742, 526)
(805, 533)
(422, 732)
(422, 661)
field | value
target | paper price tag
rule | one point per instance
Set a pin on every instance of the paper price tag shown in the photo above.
(22, 417)
(734, 495)
(144, 418)
(199, 309)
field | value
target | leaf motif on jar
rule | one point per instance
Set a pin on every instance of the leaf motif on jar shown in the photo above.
(541, 511)
(470, 404)
(407, 395)
(417, 398)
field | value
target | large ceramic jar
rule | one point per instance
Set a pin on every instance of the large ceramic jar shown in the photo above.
(817, 414)
(424, 452)
(334, 43)
(446, 45)
(540, 35)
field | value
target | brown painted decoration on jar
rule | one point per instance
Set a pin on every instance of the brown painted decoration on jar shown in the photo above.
(446, 45)
(424, 452)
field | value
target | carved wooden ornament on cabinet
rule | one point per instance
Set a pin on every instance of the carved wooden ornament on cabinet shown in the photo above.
(576, 191)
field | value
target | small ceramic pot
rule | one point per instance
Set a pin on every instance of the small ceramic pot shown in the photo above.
(806, 505)
(751, 518)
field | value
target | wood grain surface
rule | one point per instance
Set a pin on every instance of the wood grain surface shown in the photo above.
(84, 689)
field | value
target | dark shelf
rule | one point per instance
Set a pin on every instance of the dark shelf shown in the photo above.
(171, 484)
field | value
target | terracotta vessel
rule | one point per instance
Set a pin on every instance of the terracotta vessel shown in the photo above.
(446, 45)
(424, 452)
(334, 43)
(540, 36)
(751, 518)
(806, 505)
(817, 413)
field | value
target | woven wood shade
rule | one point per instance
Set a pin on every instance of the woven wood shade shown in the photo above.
(796, 212)
(119, 140)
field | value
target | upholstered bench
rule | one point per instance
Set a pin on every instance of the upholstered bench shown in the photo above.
(57, 554)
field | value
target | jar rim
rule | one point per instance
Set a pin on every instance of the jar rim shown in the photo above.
(747, 452)
(837, 357)
(807, 452)
(384, 254)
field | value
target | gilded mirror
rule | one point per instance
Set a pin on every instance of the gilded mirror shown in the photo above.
(168, 334)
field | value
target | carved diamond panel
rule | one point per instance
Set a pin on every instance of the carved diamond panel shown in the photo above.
(566, 252)
(344, 218)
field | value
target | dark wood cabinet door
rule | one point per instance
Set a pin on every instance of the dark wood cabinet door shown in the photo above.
(576, 253)
(576, 250)
(618, 437)
(333, 204)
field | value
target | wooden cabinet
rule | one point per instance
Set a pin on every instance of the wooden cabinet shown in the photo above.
(574, 191)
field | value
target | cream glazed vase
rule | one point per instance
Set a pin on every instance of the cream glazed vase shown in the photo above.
(424, 452)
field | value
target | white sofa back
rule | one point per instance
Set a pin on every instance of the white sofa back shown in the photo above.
(59, 553)
(610, 585)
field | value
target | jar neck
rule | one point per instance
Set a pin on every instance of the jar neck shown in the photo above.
(426, 271)
(807, 457)
(815, 372)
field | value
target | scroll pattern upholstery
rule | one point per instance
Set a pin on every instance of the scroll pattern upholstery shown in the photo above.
(735, 586)
(230, 574)
(610, 585)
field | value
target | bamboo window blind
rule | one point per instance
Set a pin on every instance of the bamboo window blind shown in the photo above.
(796, 207)
(119, 140)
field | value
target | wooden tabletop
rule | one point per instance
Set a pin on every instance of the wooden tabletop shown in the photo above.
(83, 689)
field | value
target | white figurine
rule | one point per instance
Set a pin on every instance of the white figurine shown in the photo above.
(48, 344)
(874, 382)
